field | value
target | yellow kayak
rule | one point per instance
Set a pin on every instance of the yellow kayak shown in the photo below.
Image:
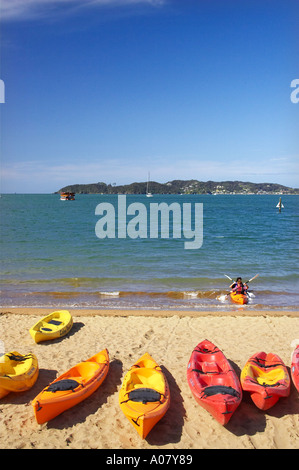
(18, 372)
(52, 326)
(144, 396)
(239, 298)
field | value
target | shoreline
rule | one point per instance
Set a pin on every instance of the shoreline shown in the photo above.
(94, 312)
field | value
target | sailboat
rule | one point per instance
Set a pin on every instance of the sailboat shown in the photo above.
(148, 194)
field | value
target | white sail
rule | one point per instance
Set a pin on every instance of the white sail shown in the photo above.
(148, 194)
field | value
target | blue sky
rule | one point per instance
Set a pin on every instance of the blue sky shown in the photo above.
(109, 90)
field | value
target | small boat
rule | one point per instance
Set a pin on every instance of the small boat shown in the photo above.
(144, 396)
(52, 326)
(295, 367)
(18, 372)
(67, 196)
(239, 298)
(213, 382)
(266, 378)
(71, 388)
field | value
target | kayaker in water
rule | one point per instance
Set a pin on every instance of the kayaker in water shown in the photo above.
(239, 287)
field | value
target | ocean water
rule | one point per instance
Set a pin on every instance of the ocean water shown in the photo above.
(51, 257)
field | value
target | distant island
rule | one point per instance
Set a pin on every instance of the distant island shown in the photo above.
(181, 187)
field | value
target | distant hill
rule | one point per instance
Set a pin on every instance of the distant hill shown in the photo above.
(182, 187)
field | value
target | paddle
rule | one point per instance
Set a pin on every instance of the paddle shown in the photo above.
(224, 296)
(252, 278)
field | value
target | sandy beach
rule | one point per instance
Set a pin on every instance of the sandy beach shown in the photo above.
(169, 336)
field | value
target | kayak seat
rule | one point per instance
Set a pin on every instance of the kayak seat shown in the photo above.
(55, 322)
(63, 385)
(55, 326)
(144, 395)
(219, 389)
(210, 368)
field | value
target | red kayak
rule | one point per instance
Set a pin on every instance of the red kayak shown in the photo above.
(295, 367)
(213, 381)
(266, 378)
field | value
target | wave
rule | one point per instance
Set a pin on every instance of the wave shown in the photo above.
(168, 294)
(129, 299)
(129, 293)
(198, 294)
(109, 294)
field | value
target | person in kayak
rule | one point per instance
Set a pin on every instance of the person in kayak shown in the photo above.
(238, 287)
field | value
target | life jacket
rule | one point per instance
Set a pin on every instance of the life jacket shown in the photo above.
(239, 289)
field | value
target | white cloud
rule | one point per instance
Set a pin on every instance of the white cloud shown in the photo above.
(31, 9)
(37, 176)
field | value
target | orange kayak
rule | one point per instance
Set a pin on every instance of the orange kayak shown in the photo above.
(213, 382)
(239, 298)
(266, 378)
(144, 396)
(295, 367)
(71, 388)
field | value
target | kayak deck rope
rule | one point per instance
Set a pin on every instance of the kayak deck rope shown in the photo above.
(207, 351)
(136, 420)
(257, 361)
(19, 358)
(265, 385)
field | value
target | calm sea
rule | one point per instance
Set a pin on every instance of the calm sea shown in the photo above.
(51, 256)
